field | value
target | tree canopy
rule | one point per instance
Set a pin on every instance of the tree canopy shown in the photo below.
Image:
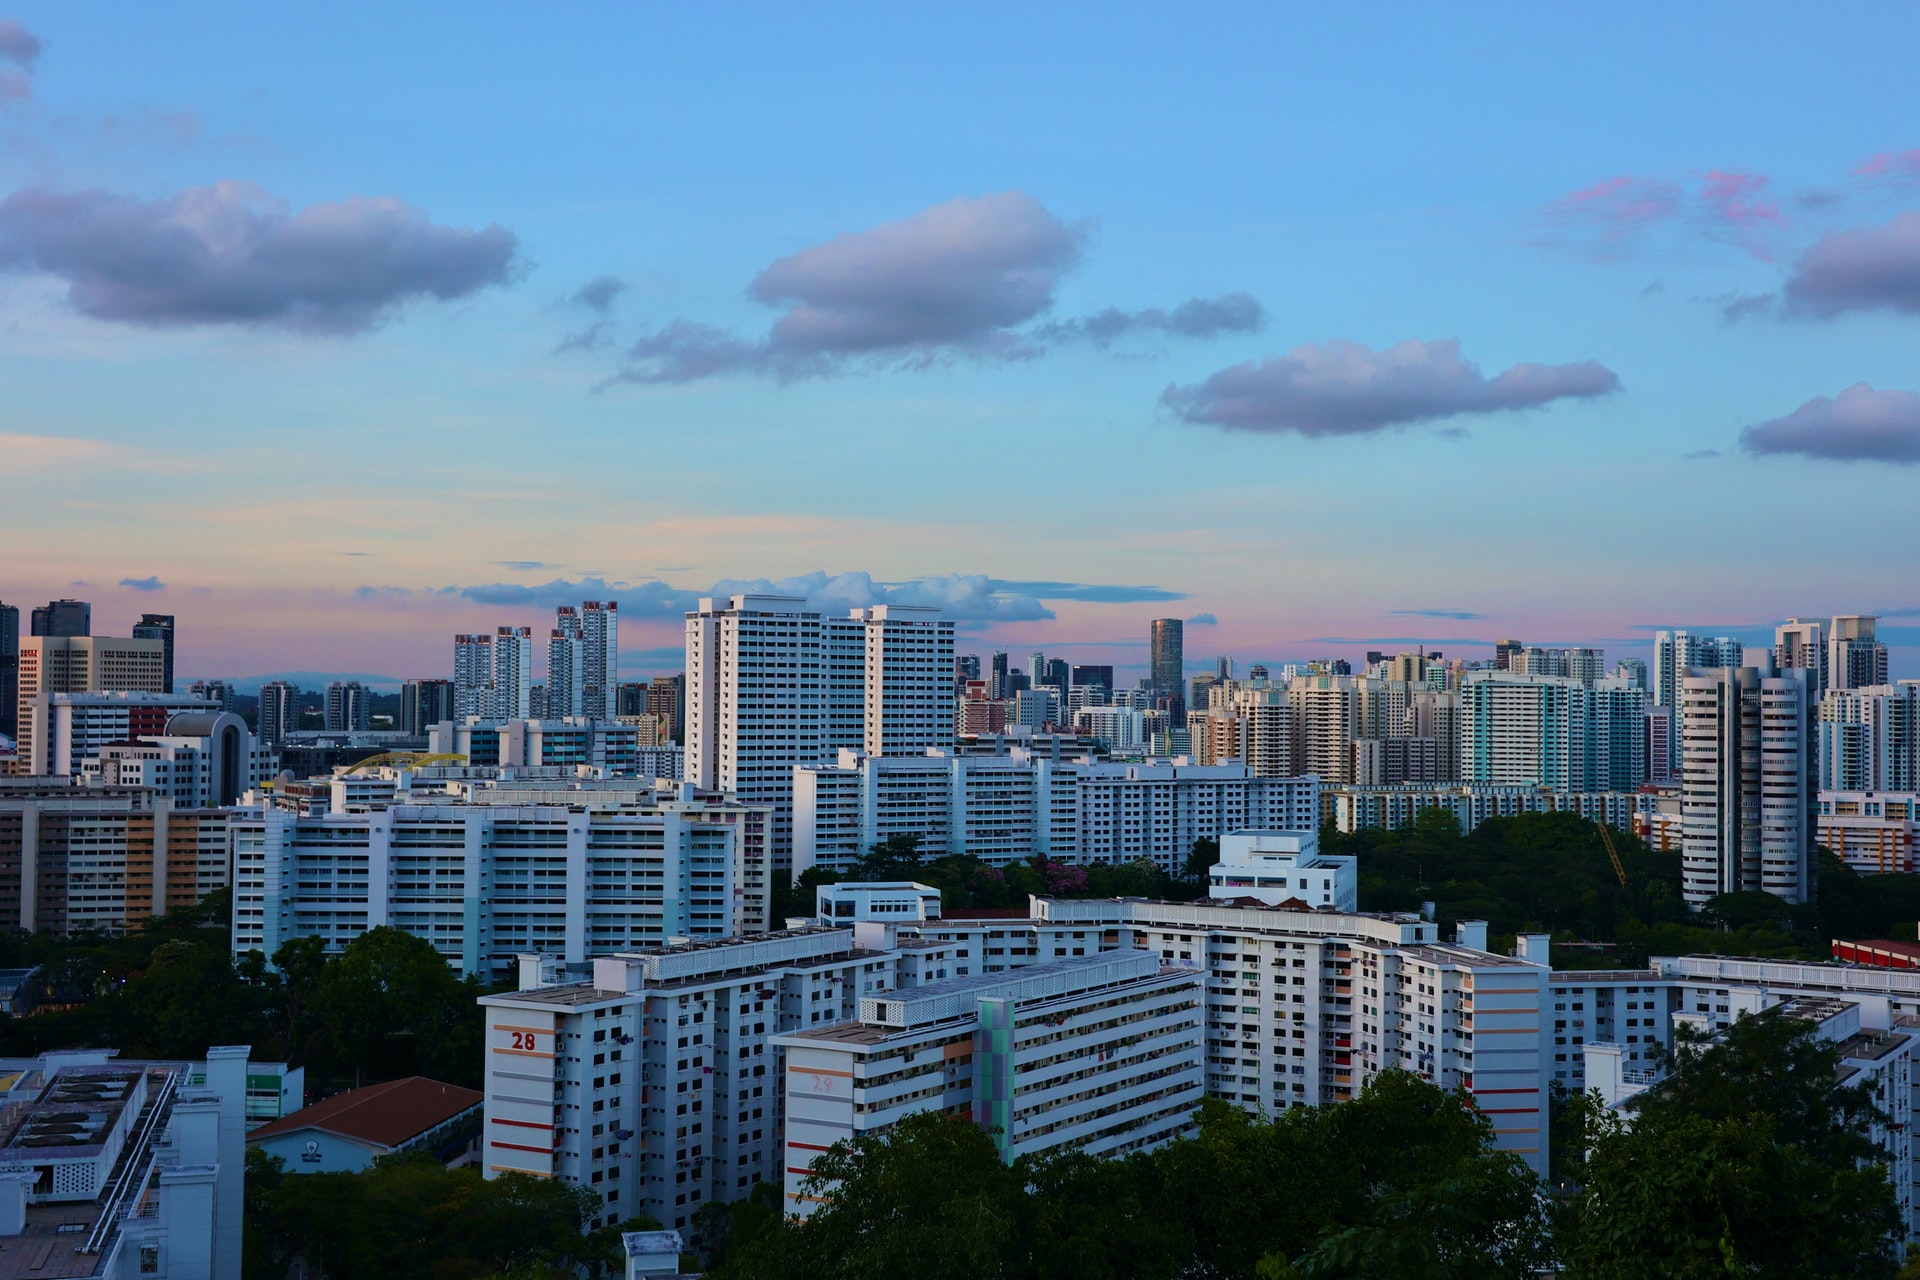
(1402, 1181)
(1748, 1159)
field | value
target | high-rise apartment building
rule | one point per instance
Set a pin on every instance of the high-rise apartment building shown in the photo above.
(1675, 653)
(1503, 653)
(9, 669)
(158, 626)
(63, 618)
(1584, 665)
(1633, 670)
(599, 658)
(1166, 663)
(279, 712)
(472, 676)
(1748, 794)
(1324, 713)
(1552, 731)
(1855, 659)
(566, 667)
(909, 652)
(1869, 739)
(772, 684)
(349, 707)
(757, 702)
(997, 686)
(1801, 645)
(512, 674)
(425, 703)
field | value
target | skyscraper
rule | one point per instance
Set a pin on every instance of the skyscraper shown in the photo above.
(9, 669)
(279, 712)
(158, 626)
(599, 659)
(1166, 663)
(997, 681)
(79, 664)
(909, 652)
(773, 683)
(1037, 667)
(756, 702)
(1802, 646)
(1503, 651)
(349, 707)
(1059, 675)
(1223, 667)
(566, 667)
(1855, 659)
(512, 674)
(63, 618)
(1747, 793)
(1870, 738)
(425, 703)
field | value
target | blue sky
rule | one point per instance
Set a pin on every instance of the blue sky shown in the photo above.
(1582, 199)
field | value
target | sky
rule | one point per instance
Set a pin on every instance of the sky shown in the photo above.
(1326, 329)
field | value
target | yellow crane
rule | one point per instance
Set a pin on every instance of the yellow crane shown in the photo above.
(1613, 855)
(408, 760)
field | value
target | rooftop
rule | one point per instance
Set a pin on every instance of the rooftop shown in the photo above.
(386, 1115)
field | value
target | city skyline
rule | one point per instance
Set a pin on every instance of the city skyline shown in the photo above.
(1282, 351)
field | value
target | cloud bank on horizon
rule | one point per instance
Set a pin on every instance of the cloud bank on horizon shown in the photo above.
(965, 597)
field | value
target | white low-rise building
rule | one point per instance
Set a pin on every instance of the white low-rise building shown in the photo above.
(1099, 1054)
(1284, 866)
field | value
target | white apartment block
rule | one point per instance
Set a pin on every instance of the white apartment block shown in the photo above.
(1747, 794)
(757, 702)
(487, 882)
(1869, 738)
(1876, 832)
(1122, 728)
(1352, 809)
(907, 680)
(1008, 808)
(998, 808)
(1303, 1007)
(657, 1081)
(1099, 1054)
(566, 666)
(1551, 731)
(511, 695)
(472, 676)
(600, 659)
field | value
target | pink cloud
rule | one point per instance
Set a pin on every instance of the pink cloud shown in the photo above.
(1616, 211)
(1896, 168)
(1734, 205)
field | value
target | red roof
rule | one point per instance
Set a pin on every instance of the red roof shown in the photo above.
(386, 1115)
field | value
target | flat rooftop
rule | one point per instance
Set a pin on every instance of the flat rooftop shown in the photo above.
(73, 1115)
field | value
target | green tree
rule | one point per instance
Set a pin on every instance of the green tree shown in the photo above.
(392, 1007)
(1201, 859)
(1748, 1159)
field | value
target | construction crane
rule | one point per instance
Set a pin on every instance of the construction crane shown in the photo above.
(408, 760)
(1613, 855)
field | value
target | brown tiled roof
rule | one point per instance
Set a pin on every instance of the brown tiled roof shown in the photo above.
(384, 1114)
